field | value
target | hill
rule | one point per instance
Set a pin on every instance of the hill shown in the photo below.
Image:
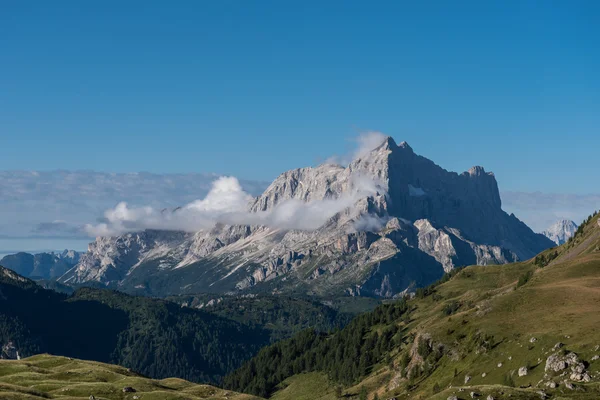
(51, 377)
(154, 337)
(524, 330)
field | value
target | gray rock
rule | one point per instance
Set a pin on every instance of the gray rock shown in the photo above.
(452, 398)
(522, 371)
(551, 384)
(569, 385)
(467, 379)
(129, 389)
(561, 231)
(490, 397)
(542, 394)
(414, 213)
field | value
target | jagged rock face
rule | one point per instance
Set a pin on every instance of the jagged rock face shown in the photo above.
(111, 258)
(416, 221)
(561, 231)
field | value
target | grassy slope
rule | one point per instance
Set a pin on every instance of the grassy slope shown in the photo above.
(51, 377)
(560, 303)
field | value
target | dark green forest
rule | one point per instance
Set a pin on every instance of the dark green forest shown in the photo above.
(345, 355)
(153, 337)
(282, 316)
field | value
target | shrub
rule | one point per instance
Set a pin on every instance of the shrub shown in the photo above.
(523, 279)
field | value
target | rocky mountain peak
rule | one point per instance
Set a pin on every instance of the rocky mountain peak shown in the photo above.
(561, 231)
(397, 218)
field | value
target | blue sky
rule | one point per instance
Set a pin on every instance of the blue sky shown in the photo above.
(252, 88)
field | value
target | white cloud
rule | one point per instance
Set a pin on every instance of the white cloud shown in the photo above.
(227, 203)
(368, 141)
(364, 143)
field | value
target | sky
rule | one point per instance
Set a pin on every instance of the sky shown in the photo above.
(253, 88)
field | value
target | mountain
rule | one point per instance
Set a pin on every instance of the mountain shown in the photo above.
(524, 331)
(48, 377)
(389, 221)
(156, 338)
(41, 265)
(561, 231)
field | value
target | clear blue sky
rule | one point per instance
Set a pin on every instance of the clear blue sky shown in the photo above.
(252, 88)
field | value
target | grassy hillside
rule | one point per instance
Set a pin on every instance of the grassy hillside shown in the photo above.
(471, 333)
(50, 377)
(154, 337)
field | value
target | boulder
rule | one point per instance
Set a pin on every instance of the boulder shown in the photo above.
(128, 389)
(569, 385)
(467, 379)
(523, 371)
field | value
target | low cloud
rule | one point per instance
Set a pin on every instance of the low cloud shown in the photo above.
(228, 203)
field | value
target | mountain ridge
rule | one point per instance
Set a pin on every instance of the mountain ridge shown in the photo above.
(390, 218)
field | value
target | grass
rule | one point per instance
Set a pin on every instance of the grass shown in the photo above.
(50, 377)
(486, 315)
(309, 386)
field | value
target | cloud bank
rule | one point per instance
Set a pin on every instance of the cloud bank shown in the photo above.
(228, 203)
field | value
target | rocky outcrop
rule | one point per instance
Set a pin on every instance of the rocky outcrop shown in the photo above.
(561, 362)
(395, 220)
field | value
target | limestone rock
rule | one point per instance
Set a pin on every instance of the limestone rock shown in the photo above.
(561, 231)
(522, 371)
(399, 218)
